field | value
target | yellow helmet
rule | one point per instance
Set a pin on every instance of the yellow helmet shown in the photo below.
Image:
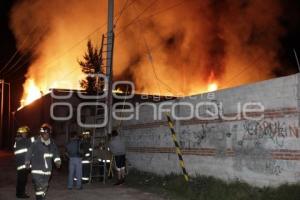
(23, 129)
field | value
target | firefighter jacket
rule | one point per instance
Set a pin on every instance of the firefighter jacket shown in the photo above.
(21, 147)
(41, 156)
(87, 150)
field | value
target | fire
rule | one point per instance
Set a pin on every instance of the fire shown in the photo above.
(32, 93)
(212, 83)
(173, 62)
(117, 91)
(212, 87)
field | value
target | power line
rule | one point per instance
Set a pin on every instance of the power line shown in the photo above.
(152, 15)
(154, 70)
(166, 9)
(136, 18)
(17, 51)
(84, 39)
(147, 46)
(150, 53)
(33, 44)
(90, 34)
(244, 70)
(121, 12)
(68, 50)
(123, 9)
(96, 31)
(123, 28)
(151, 61)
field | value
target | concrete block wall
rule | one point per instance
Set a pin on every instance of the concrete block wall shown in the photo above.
(262, 152)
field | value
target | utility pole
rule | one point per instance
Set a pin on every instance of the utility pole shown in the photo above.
(3, 83)
(109, 66)
(1, 115)
(9, 106)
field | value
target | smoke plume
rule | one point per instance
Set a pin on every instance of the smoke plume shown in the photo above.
(164, 46)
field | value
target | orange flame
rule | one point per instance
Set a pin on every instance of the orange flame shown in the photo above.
(32, 93)
(212, 87)
(185, 48)
(118, 91)
(212, 83)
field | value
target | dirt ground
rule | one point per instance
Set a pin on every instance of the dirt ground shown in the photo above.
(58, 190)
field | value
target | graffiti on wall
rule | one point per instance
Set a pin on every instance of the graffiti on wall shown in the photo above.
(251, 142)
(274, 167)
(277, 131)
(189, 138)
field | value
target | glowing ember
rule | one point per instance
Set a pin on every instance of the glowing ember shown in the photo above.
(117, 91)
(212, 87)
(212, 83)
(32, 93)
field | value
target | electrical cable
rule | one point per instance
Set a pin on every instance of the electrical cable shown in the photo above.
(18, 50)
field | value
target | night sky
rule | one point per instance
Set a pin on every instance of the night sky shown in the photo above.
(290, 20)
(7, 49)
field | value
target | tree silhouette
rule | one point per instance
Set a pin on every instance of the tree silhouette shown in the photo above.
(91, 65)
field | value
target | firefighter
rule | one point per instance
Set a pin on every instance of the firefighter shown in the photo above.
(87, 156)
(21, 146)
(40, 156)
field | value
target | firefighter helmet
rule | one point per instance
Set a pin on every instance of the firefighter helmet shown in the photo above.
(86, 134)
(23, 129)
(46, 128)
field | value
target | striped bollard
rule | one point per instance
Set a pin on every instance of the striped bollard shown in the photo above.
(178, 151)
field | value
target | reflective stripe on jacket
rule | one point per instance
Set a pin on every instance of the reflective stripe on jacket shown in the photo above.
(21, 147)
(41, 156)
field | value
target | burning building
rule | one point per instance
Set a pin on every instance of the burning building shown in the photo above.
(59, 107)
(38, 111)
(178, 49)
(165, 47)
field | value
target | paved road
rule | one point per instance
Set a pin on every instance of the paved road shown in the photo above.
(58, 191)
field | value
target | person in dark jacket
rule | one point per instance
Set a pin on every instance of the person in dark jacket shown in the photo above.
(87, 156)
(75, 165)
(21, 146)
(40, 155)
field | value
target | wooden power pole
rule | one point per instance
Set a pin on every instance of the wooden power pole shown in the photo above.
(3, 113)
(109, 63)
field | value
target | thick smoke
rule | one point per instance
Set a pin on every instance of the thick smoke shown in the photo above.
(172, 47)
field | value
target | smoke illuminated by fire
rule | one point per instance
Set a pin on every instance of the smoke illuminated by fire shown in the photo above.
(169, 47)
